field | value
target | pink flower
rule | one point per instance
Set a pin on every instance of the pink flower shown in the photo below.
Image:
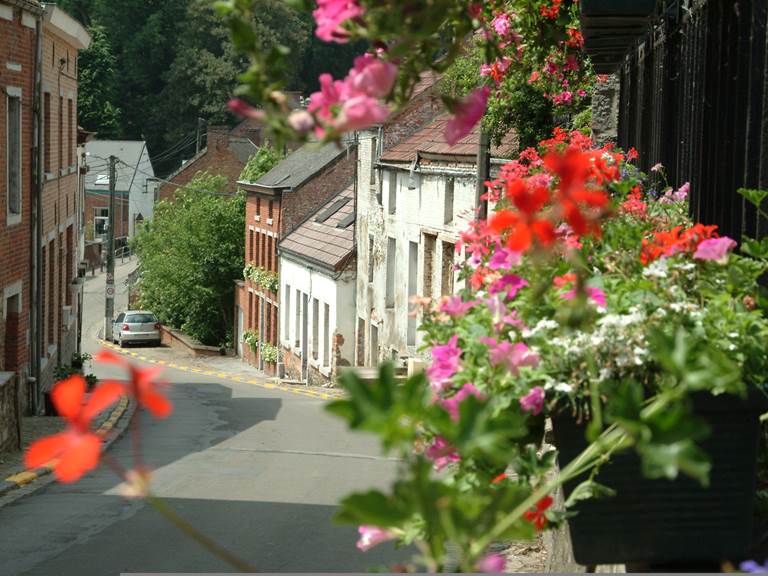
(360, 112)
(445, 363)
(502, 25)
(371, 536)
(329, 16)
(492, 564)
(442, 453)
(451, 404)
(594, 294)
(513, 356)
(715, 249)
(510, 283)
(372, 76)
(504, 259)
(533, 402)
(242, 108)
(501, 314)
(535, 75)
(466, 115)
(301, 121)
(455, 306)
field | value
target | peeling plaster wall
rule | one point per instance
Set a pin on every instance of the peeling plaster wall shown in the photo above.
(418, 211)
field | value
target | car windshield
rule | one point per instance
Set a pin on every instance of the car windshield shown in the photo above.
(140, 318)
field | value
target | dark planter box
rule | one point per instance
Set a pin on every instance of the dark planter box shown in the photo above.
(663, 521)
(618, 8)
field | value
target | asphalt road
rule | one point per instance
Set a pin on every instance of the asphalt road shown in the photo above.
(258, 470)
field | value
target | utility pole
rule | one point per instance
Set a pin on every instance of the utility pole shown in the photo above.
(197, 138)
(109, 312)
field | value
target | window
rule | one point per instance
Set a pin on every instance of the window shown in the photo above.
(140, 319)
(287, 312)
(70, 132)
(297, 335)
(258, 206)
(430, 246)
(370, 258)
(271, 209)
(360, 342)
(13, 158)
(263, 259)
(392, 192)
(326, 334)
(269, 252)
(251, 253)
(374, 154)
(61, 133)
(70, 256)
(446, 286)
(413, 266)
(51, 288)
(47, 132)
(448, 208)
(250, 308)
(315, 327)
(391, 272)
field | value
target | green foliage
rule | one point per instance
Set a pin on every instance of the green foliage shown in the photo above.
(269, 353)
(251, 338)
(263, 161)
(190, 253)
(261, 277)
(97, 94)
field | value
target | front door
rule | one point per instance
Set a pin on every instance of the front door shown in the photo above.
(304, 335)
(239, 334)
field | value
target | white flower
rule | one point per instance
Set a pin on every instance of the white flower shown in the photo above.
(563, 387)
(657, 269)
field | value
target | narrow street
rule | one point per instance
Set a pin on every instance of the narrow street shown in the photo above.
(258, 470)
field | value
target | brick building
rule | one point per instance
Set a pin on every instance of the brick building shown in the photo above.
(226, 153)
(18, 21)
(60, 295)
(276, 204)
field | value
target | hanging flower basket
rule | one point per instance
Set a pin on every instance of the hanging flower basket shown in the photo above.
(663, 521)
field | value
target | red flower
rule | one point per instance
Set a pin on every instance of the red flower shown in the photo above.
(537, 516)
(76, 450)
(551, 12)
(499, 478)
(143, 385)
(671, 242)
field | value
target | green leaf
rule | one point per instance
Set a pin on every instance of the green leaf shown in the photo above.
(668, 460)
(373, 508)
(753, 196)
(589, 489)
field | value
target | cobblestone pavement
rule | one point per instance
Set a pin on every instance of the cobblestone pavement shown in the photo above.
(32, 428)
(527, 557)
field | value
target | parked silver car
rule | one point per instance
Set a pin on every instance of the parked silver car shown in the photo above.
(136, 326)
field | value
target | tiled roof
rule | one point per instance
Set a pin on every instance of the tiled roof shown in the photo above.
(301, 165)
(431, 140)
(325, 242)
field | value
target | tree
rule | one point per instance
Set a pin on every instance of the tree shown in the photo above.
(260, 163)
(97, 95)
(190, 253)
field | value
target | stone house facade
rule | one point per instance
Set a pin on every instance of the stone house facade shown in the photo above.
(408, 225)
(226, 153)
(276, 204)
(317, 289)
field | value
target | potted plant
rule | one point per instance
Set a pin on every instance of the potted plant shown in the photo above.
(251, 338)
(639, 333)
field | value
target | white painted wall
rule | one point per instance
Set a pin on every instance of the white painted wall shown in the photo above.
(142, 193)
(418, 211)
(338, 294)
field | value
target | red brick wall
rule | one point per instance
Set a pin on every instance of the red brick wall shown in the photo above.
(17, 46)
(418, 113)
(217, 159)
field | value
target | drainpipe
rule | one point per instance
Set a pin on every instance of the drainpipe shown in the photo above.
(36, 226)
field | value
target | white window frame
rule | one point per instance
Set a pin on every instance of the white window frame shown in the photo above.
(13, 218)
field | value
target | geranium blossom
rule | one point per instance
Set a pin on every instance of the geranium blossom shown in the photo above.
(596, 295)
(329, 16)
(537, 516)
(466, 115)
(455, 306)
(143, 385)
(510, 284)
(77, 449)
(533, 402)
(442, 453)
(716, 249)
(445, 363)
(451, 404)
(512, 356)
(371, 536)
(492, 564)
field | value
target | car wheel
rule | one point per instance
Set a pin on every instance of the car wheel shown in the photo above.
(122, 345)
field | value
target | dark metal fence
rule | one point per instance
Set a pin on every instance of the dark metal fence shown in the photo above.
(695, 98)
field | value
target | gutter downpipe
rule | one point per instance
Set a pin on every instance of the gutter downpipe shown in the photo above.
(36, 221)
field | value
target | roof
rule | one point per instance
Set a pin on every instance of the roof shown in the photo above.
(242, 148)
(430, 141)
(301, 165)
(67, 27)
(130, 152)
(327, 236)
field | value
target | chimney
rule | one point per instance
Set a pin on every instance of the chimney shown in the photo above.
(217, 137)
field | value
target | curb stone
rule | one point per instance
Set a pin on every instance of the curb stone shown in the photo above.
(25, 477)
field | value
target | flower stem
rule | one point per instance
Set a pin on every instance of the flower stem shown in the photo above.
(173, 517)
